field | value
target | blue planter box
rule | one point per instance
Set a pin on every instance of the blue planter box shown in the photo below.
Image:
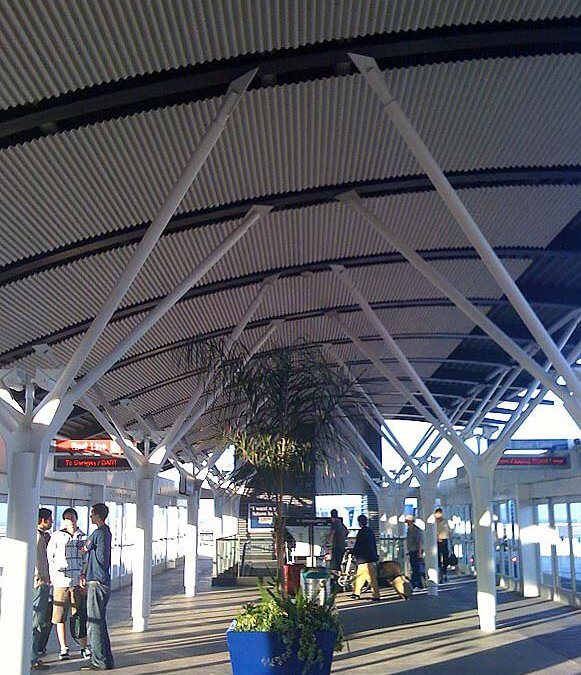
(251, 654)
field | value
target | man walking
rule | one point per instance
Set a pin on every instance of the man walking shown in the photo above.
(365, 552)
(338, 539)
(40, 599)
(443, 534)
(414, 548)
(97, 580)
(66, 559)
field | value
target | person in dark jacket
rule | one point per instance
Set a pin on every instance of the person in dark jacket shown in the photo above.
(97, 580)
(365, 552)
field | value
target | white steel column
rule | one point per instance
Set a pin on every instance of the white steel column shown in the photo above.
(146, 478)
(481, 491)
(528, 543)
(191, 553)
(428, 498)
(18, 556)
(374, 77)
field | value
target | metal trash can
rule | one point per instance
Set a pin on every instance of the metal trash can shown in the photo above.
(316, 584)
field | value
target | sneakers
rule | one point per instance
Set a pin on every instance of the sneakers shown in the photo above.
(64, 655)
(354, 597)
(39, 665)
(85, 653)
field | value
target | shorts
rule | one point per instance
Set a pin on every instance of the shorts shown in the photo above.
(64, 598)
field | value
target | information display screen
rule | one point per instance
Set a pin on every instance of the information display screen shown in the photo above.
(81, 463)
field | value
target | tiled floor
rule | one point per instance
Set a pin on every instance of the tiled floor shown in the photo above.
(425, 636)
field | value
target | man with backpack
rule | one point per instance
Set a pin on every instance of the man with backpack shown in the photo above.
(365, 552)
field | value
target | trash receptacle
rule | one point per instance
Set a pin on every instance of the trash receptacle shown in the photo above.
(291, 578)
(316, 584)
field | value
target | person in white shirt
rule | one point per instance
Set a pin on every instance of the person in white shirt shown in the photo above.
(443, 534)
(66, 559)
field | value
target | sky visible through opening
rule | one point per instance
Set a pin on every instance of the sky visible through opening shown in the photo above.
(546, 422)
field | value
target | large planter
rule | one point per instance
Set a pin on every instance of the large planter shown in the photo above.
(254, 653)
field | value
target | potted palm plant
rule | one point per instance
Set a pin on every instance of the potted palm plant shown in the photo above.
(289, 400)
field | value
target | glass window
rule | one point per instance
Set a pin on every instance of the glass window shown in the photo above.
(576, 527)
(3, 518)
(563, 546)
(545, 539)
(115, 522)
(82, 510)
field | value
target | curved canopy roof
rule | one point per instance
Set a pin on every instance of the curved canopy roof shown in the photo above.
(102, 103)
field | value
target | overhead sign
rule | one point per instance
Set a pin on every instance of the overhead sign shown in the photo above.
(261, 517)
(97, 446)
(87, 463)
(535, 461)
(305, 521)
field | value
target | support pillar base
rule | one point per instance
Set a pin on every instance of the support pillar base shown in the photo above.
(139, 624)
(432, 588)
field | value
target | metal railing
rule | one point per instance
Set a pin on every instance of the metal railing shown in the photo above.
(228, 555)
(391, 548)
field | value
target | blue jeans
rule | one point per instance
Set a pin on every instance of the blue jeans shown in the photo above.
(40, 601)
(98, 635)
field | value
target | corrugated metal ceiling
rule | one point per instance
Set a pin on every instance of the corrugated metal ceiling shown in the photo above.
(71, 187)
(106, 177)
(56, 47)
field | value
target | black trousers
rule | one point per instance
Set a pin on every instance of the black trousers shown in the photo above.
(415, 563)
(443, 554)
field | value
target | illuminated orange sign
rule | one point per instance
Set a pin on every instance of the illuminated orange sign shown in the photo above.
(89, 446)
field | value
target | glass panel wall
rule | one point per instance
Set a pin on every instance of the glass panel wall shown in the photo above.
(506, 544)
(545, 539)
(575, 510)
(563, 546)
(169, 529)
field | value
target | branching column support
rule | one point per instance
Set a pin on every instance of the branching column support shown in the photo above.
(370, 70)
(354, 202)
(27, 434)
(231, 99)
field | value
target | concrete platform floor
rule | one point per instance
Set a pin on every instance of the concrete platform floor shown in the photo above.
(424, 636)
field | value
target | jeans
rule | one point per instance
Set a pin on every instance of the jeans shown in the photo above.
(41, 623)
(416, 579)
(97, 599)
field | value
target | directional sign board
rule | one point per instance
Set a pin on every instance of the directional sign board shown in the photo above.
(82, 463)
(89, 454)
(261, 517)
(534, 461)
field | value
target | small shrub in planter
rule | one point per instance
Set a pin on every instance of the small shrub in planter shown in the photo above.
(284, 635)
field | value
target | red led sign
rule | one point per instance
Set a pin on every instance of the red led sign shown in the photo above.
(85, 463)
(535, 461)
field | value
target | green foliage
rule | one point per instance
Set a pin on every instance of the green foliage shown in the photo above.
(290, 398)
(296, 619)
